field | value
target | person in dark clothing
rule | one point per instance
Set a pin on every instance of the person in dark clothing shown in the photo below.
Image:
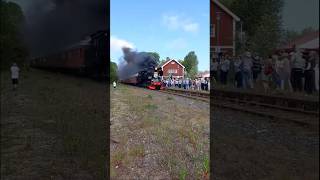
(309, 75)
(238, 72)
(256, 67)
(214, 69)
(224, 69)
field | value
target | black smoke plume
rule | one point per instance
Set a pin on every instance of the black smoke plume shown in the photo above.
(134, 62)
(52, 25)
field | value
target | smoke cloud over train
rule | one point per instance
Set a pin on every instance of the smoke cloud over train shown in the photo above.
(52, 25)
(134, 62)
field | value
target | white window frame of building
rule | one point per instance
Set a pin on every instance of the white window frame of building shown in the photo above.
(172, 71)
(212, 30)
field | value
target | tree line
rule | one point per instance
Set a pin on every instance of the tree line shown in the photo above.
(262, 24)
(12, 48)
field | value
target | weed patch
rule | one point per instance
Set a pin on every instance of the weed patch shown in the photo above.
(151, 106)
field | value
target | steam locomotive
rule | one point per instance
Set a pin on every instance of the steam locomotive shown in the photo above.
(150, 78)
(87, 58)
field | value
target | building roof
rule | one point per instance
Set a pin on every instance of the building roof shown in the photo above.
(226, 10)
(204, 74)
(167, 62)
(307, 41)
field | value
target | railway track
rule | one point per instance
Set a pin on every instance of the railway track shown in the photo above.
(305, 113)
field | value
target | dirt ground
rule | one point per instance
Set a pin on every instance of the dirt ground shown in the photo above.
(158, 136)
(249, 147)
(53, 127)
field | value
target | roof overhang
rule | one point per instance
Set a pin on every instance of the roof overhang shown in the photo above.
(235, 17)
(170, 61)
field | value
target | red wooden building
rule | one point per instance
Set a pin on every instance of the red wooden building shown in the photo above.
(172, 68)
(309, 41)
(222, 29)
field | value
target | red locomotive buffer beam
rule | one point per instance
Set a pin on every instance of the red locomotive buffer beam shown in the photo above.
(156, 85)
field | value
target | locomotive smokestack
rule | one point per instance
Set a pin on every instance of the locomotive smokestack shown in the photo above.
(134, 62)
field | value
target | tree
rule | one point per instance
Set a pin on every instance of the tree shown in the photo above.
(12, 47)
(155, 55)
(190, 63)
(261, 22)
(113, 71)
(268, 37)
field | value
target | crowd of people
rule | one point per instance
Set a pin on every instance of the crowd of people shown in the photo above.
(296, 71)
(188, 84)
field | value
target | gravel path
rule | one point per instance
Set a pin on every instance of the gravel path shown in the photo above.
(252, 147)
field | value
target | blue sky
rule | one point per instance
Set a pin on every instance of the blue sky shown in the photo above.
(171, 28)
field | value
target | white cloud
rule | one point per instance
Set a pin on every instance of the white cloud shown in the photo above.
(177, 44)
(116, 44)
(178, 22)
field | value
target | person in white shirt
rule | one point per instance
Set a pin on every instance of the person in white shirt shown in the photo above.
(114, 84)
(198, 84)
(298, 64)
(14, 74)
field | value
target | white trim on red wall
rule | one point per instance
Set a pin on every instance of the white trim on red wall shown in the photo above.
(170, 61)
(235, 17)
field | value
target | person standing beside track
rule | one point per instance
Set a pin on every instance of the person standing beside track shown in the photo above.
(247, 73)
(215, 69)
(256, 67)
(14, 75)
(309, 74)
(286, 72)
(180, 82)
(237, 64)
(279, 72)
(298, 63)
(114, 84)
(198, 84)
(315, 55)
(224, 69)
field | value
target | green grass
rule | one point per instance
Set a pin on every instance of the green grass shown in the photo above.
(183, 174)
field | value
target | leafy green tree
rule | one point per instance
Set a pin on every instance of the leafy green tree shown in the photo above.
(12, 47)
(261, 22)
(113, 71)
(268, 37)
(155, 55)
(190, 63)
(162, 61)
